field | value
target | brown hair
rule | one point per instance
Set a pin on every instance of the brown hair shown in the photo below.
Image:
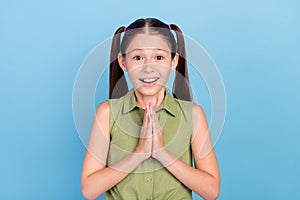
(118, 85)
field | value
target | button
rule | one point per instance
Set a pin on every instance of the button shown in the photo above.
(149, 178)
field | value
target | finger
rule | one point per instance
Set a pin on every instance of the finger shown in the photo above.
(151, 108)
(156, 124)
(147, 107)
(143, 133)
(153, 115)
(146, 127)
(149, 127)
(145, 120)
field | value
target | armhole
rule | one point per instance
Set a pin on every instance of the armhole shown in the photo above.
(115, 106)
(110, 116)
(187, 111)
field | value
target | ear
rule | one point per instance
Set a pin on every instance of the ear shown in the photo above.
(121, 60)
(175, 61)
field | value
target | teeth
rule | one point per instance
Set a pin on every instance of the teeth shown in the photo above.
(149, 80)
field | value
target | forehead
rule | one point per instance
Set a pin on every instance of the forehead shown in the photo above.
(146, 41)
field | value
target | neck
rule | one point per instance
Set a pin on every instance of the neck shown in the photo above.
(157, 99)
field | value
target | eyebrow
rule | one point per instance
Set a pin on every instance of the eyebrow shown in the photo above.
(139, 49)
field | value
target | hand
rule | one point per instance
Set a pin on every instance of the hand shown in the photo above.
(157, 135)
(145, 142)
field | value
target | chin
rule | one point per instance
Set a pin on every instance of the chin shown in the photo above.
(150, 91)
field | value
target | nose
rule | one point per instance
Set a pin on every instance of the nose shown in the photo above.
(147, 68)
(148, 65)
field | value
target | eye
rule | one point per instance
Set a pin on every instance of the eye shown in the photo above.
(159, 57)
(137, 58)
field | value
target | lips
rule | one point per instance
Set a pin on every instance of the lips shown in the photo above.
(149, 80)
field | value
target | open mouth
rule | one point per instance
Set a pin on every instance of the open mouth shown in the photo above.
(149, 80)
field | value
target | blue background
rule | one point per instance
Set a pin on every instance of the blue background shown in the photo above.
(255, 45)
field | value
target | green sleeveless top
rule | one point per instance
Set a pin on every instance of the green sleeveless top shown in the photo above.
(150, 180)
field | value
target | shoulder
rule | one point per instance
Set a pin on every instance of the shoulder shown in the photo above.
(109, 106)
(103, 109)
(200, 126)
(198, 111)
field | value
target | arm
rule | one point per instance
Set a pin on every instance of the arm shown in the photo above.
(96, 177)
(204, 179)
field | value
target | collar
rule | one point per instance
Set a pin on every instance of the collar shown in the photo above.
(169, 103)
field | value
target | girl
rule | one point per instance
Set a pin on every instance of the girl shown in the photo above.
(144, 142)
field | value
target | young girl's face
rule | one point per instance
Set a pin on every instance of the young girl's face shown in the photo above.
(148, 62)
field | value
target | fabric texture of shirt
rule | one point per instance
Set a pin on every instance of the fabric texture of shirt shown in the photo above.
(150, 180)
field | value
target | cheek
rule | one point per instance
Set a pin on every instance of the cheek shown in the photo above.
(133, 76)
(131, 73)
(133, 69)
(132, 66)
(164, 69)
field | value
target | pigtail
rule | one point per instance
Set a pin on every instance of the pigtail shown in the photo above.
(117, 81)
(181, 86)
